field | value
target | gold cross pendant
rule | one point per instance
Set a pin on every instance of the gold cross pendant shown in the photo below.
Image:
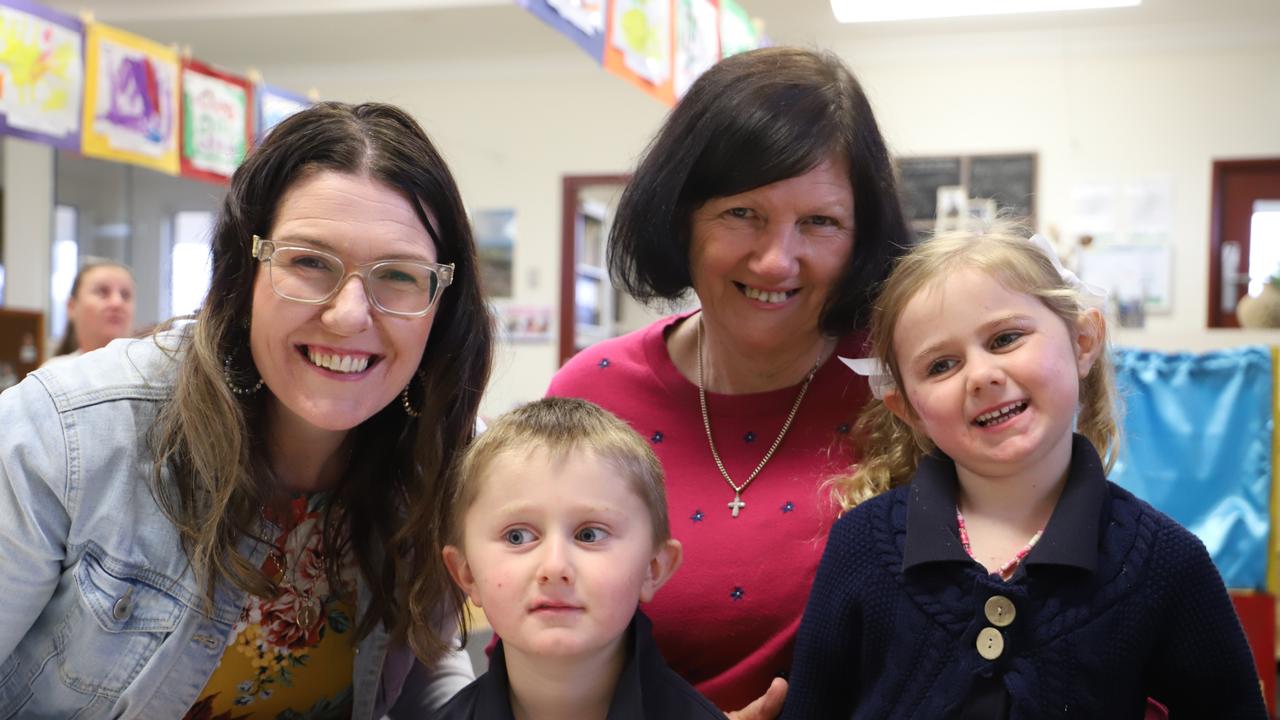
(736, 505)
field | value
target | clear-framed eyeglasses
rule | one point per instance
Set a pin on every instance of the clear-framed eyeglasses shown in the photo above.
(405, 288)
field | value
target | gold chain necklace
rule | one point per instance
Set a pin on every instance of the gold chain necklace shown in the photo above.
(737, 504)
(309, 606)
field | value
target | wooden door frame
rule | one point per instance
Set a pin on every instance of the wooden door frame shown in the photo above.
(1222, 168)
(571, 185)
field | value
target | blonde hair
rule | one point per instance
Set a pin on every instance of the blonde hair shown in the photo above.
(559, 426)
(890, 448)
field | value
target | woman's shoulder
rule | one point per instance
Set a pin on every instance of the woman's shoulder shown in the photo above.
(128, 368)
(639, 351)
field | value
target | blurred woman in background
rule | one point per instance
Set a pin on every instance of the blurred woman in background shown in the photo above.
(100, 308)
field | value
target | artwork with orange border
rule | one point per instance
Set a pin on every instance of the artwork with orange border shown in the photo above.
(638, 45)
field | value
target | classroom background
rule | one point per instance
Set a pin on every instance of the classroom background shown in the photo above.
(1143, 140)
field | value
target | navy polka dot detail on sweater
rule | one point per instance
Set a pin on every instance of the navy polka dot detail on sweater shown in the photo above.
(788, 506)
(749, 437)
(604, 363)
(657, 437)
(737, 594)
(696, 516)
(843, 428)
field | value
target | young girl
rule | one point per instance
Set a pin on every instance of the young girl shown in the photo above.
(1009, 578)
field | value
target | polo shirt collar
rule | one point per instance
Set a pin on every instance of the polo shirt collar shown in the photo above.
(1070, 538)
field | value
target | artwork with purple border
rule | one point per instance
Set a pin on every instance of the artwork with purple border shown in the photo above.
(70, 137)
(546, 11)
(273, 105)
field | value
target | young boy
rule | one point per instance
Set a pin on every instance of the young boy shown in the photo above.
(558, 530)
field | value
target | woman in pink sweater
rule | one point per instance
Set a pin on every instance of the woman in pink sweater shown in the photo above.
(769, 194)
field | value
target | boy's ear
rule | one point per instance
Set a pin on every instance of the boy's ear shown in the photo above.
(664, 563)
(898, 405)
(460, 571)
(1090, 339)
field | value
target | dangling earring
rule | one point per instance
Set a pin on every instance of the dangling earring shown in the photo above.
(231, 383)
(404, 398)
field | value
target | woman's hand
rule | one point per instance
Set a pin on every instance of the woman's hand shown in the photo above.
(766, 707)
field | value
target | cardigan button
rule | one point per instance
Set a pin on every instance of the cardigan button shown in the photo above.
(999, 610)
(990, 643)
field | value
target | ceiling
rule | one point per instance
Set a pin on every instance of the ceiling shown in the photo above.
(264, 33)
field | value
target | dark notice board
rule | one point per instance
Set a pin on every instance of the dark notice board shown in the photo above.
(1008, 179)
(921, 178)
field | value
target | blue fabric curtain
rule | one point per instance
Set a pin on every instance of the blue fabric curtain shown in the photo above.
(1197, 445)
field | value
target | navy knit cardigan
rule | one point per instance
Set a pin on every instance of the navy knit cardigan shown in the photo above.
(1151, 619)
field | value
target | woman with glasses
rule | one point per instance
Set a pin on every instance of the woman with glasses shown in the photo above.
(223, 520)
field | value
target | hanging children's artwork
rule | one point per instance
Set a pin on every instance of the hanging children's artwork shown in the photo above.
(639, 47)
(697, 41)
(737, 32)
(131, 100)
(215, 122)
(275, 105)
(582, 21)
(41, 73)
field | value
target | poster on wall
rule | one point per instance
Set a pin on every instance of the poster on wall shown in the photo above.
(41, 73)
(639, 46)
(697, 41)
(737, 32)
(582, 21)
(524, 323)
(131, 100)
(215, 122)
(275, 105)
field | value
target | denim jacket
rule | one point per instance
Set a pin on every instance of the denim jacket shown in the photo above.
(100, 615)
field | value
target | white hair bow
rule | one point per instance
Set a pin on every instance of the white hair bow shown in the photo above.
(877, 375)
(1091, 295)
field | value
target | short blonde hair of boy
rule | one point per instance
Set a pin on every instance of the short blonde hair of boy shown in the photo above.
(890, 448)
(561, 426)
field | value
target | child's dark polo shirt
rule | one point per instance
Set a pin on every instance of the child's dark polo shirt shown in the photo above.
(647, 689)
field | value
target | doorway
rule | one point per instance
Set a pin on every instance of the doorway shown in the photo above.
(1244, 235)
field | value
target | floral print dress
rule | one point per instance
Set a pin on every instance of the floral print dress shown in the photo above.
(289, 657)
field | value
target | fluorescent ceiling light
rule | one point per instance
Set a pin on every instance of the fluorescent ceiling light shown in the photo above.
(851, 11)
